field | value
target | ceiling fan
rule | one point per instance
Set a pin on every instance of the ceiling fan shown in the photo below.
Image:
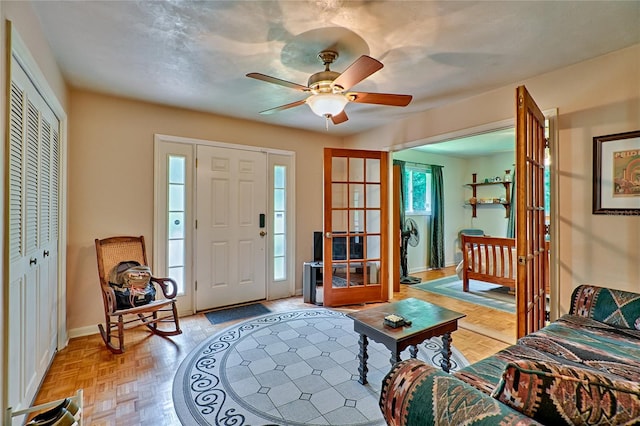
(329, 89)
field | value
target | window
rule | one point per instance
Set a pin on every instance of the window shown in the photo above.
(547, 173)
(176, 223)
(417, 184)
(279, 223)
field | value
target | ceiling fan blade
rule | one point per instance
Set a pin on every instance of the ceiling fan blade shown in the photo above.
(340, 118)
(362, 68)
(283, 107)
(380, 98)
(278, 81)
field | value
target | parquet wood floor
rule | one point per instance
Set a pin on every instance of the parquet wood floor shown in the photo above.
(135, 388)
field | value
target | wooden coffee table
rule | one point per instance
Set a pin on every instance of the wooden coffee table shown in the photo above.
(427, 320)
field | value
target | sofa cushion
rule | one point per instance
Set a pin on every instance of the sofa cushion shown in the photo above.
(416, 393)
(582, 340)
(485, 374)
(614, 307)
(553, 393)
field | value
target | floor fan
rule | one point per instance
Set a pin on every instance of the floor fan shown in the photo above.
(410, 237)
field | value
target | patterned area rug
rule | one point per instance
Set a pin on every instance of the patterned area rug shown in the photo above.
(480, 293)
(292, 368)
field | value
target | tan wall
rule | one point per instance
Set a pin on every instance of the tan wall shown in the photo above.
(111, 179)
(596, 97)
(22, 18)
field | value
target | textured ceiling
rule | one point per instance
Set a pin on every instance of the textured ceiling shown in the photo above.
(195, 54)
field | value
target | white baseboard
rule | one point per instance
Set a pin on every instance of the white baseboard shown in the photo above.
(425, 269)
(83, 331)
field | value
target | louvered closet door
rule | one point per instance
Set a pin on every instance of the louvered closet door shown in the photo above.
(33, 238)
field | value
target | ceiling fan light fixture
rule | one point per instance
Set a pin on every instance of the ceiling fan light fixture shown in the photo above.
(327, 104)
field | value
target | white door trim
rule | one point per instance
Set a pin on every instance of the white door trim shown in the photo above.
(286, 287)
(161, 151)
(195, 141)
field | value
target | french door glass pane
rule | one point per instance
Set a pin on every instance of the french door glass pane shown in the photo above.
(339, 275)
(356, 169)
(339, 221)
(356, 195)
(373, 221)
(373, 170)
(373, 246)
(372, 270)
(373, 196)
(339, 195)
(338, 169)
(356, 223)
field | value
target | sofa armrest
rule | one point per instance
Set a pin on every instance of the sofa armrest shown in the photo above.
(614, 307)
(417, 393)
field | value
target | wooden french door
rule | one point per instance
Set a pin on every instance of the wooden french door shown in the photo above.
(355, 227)
(530, 214)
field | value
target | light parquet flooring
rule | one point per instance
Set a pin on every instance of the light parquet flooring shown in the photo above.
(135, 388)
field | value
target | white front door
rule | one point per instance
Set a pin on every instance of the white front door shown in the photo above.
(231, 226)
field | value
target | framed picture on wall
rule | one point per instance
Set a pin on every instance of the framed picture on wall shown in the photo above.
(616, 174)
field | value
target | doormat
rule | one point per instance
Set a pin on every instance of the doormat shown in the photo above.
(236, 313)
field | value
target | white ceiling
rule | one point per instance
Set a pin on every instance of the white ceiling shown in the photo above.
(195, 54)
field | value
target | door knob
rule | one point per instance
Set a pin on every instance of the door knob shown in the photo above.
(263, 233)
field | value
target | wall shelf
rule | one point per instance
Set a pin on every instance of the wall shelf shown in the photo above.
(474, 205)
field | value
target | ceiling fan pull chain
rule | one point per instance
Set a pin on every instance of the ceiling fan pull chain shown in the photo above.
(326, 121)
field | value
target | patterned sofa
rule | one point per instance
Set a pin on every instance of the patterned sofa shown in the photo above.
(583, 369)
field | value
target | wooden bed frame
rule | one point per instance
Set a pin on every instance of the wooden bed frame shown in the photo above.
(489, 259)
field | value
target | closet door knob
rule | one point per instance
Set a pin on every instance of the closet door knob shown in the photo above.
(33, 261)
(46, 253)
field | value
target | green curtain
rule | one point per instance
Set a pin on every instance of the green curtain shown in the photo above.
(402, 198)
(436, 230)
(402, 190)
(511, 224)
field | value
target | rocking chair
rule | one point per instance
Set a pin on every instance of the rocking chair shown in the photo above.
(110, 252)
